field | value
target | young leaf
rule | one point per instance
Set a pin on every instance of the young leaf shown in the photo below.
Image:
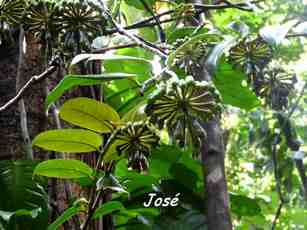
(64, 169)
(68, 140)
(66, 215)
(107, 208)
(89, 113)
(71, 81)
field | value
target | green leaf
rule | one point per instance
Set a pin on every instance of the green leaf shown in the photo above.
(211, 38)
(184, 175)
(71, 81)
(68, 141)
(244, 206)
(89, 113)
(133, 180)
(6, 216)
(107, 208)
(229, 83)
(65, 169)
(109, 182)
(66, 215)
(138, 4)
(184, 32)
(128, 64)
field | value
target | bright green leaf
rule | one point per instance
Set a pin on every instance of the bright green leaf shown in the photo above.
(229, 83)
(68, 140)
(89, 113)
(71, 81)
(64, 169)
(66, 215)
(107, 208)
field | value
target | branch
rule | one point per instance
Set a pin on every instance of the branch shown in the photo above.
(278, 212)
(106, 49)
(296, 35)
(301, 169)
(157, 20)
(34, 80)
(199, 7)
(138, 41)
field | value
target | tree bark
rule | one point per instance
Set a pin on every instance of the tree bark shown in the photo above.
(213, 161)
(217, 199)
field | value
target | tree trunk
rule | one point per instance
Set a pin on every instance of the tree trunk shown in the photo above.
(213, 160)
(217, 199)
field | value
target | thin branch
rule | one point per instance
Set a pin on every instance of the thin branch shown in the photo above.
(92, 206)
(148, 22)
(33, 80)
(301, 169)
(140, 43)
(157, 20)
(106, 49)
(296, 35)
(277, 215)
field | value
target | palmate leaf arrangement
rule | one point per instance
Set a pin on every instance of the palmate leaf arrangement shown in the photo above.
(180, 104)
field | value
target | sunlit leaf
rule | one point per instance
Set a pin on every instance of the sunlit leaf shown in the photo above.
(89, 113)
(107, 208)
(64, 169)
(68, 140)
(71, 81)
(229, 82)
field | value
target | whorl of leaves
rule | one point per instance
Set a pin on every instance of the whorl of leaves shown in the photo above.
(42, 20)
(276, 86)
(138, 139)
(252, 56)
(11, 14)
(81, 22)
(182, 106)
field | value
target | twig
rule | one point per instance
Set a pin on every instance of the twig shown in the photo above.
(199, 7)
(33, 80)
(106, 49)
(301, 169)
(138, 41)
(296, 35)
(93, 197)
(157, 20)
(92, 206)
(278, 212)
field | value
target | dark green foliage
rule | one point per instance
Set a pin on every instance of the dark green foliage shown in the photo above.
(23, 201)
